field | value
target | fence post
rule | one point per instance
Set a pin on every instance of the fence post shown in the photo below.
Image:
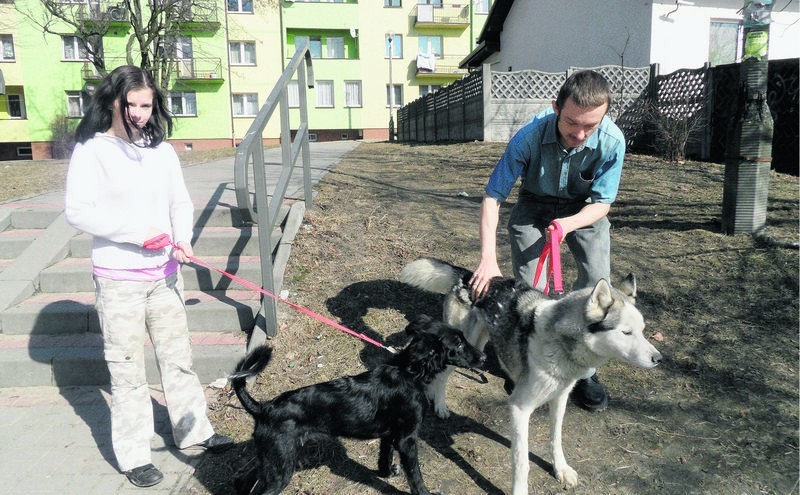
(486, 83)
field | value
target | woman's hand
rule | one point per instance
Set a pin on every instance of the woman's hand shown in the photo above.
(183, 253)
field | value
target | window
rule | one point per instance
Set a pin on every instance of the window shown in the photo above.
(335, 47)
(13, 105)
(724, 42)
(74, 48)
(314, 44)
(74, 104)
(24, 151)
(392, 3)
(6, 47)
(324, 94)
(182, 104)
(480, 6)
(240, 6)
(352, 93)
(245, 104)
(435, 3)
(242, 52)
(430, 46)
(395, 95)
(429, 88)
(293, 94)
(394, 45)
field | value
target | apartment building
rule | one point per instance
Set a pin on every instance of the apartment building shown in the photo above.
(369, 58)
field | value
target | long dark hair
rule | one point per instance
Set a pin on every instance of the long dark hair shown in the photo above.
(115, 87)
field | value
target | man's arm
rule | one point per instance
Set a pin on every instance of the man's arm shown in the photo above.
(588, 215)
(487, 268)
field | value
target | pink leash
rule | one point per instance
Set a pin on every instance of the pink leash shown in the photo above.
(163, 240)
(551, 250)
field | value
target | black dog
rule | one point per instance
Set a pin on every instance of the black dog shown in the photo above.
(387, 402)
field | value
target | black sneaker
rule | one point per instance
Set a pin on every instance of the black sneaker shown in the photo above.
(144, 476)
(590, 394)
(217, 443)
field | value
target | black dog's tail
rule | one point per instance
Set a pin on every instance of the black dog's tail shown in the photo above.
(251, 365)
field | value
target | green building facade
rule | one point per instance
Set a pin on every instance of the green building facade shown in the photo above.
(226, 56)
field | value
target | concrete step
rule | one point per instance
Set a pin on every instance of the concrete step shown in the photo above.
(14, 242)
(75, 274)
(77, 359)
(74, 313)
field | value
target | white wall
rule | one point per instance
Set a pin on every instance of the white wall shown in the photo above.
(680, 39)
(588, 33)
(552, 36)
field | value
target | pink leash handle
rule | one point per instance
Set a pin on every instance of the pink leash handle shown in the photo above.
(551, 250)
(310, 313)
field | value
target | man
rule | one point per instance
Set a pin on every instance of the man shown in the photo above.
(570, 161)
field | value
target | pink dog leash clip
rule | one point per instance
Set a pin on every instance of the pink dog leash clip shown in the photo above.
(552, 253)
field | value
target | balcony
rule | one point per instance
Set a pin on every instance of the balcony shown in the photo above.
(91, 74)
(95, 12)
(448, 16)
(444, 67)
(198, 70)
(199, 15)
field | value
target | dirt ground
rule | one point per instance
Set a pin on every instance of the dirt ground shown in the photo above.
(719, 416)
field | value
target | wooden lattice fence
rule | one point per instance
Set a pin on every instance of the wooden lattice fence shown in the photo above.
(492, 106)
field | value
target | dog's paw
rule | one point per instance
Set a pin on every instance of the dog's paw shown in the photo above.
(441, 411)
(567, 476)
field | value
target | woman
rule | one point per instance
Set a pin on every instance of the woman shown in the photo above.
(125, 188)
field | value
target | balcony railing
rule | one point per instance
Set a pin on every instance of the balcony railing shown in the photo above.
(199, 15)
(198, 69)
(454, 15)
(437, 67)
(97, 12)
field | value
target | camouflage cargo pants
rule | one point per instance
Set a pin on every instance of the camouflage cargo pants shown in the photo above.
(128, 310)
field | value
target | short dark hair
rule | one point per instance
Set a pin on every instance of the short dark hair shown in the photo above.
(115, 87)
(587, 88)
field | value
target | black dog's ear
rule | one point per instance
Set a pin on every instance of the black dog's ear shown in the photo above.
(419, 324)
(426, 361)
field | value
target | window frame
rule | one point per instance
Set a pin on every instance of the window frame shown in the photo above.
(78, 46)
(293, 94)
(7, 40)
(20, 101)
(184, 105)
(240, 4)
(241, 51)
(348, 94)
(244, 104)
(72, 96)
(393, 95)
(430, 37)
(395, 47)
(392, 4)
(318, 85)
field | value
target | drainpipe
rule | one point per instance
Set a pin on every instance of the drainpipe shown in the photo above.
(749, 150)
(230, 89)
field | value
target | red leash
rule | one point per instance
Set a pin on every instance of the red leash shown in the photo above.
(551, 250)
(163, 240)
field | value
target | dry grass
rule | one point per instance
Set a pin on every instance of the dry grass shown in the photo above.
(719, 416)
(25, 178)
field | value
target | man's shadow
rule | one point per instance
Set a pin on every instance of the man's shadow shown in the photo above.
(77, 367)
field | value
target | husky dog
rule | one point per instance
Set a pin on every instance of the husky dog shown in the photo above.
(544, 345)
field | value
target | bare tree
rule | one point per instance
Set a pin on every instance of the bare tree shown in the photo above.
(154, 28)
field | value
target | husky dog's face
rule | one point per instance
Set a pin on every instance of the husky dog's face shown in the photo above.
(616, 327)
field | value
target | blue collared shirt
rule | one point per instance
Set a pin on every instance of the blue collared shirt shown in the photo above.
(589, 172)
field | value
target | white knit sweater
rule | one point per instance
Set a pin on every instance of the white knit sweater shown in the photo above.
(119, 193)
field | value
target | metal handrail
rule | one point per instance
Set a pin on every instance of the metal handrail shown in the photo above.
(265, 214)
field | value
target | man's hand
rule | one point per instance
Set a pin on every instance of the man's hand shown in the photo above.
(482, 277)
(183, 253)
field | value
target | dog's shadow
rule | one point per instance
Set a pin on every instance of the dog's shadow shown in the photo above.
(316, 452)
(440, 434)
(353, 303)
